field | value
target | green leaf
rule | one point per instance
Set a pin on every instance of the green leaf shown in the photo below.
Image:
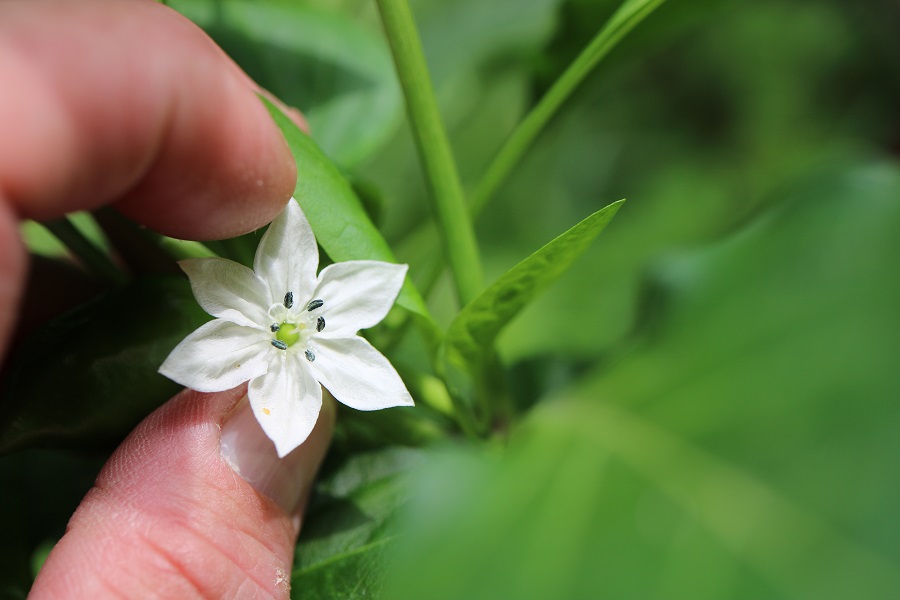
(469, 340)
(331, 66)
(745, 448)
(348, 528)
(337, 216)
(40, 241)
(87, 378)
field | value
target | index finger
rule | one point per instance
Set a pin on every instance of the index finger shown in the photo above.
(129, 103)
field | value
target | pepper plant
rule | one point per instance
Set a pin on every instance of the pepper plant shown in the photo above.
(702, 404)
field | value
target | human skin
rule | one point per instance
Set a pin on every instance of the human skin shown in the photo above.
(127, 104)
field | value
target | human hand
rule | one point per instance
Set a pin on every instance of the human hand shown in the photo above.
(128, 104)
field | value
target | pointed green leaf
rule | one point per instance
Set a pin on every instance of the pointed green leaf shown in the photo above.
(471, 335)
(88, 377)
(478, 324)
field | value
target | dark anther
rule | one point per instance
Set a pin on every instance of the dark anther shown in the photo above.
(274, 327)
(279, 344)
(310, 355)
(320, 323)
(314, 305)
(289, 299)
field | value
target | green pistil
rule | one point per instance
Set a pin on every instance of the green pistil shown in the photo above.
(289, 333)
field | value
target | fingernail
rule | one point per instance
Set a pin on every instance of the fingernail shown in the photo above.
(252, 455)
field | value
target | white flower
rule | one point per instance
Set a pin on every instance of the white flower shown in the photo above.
(286, 331)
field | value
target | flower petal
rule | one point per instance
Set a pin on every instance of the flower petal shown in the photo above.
(357, 294)
(218, 356)
(228, 290)
(287, 256)
(358, 375)
(286, 401)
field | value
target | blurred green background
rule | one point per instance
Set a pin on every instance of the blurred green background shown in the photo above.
(709, 399)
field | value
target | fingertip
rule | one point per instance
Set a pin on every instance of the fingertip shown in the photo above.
(223, 168)
(230, 175)
(132, 104)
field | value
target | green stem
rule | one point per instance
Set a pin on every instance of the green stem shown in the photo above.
(90, 256)
(630, 13)
(447, 194)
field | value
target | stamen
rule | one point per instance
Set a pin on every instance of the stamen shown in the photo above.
(320, 323)
(310, 355)
(274, 327)
(314, 305)
(279, 344)
(289, 299)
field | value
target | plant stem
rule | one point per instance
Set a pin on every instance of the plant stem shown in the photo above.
(447, 195)
(90, 256)
(629, 14)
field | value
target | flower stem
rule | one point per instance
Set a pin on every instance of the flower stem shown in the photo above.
(629, 14)
(90, 256)
(447, 195)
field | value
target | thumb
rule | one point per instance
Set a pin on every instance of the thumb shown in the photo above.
(194, 503)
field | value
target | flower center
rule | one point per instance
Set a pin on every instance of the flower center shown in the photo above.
(296, 326)
(289, 333)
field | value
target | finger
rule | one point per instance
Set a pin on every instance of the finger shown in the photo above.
(128, 102)
(169, 516)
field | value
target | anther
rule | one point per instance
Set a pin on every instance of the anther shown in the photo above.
(314, 305)
(280, 345)
(289, 299)
(274, 327)
(310, 355)
(320, 323)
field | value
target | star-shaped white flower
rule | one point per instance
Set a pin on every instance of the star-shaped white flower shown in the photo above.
(285, 331)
